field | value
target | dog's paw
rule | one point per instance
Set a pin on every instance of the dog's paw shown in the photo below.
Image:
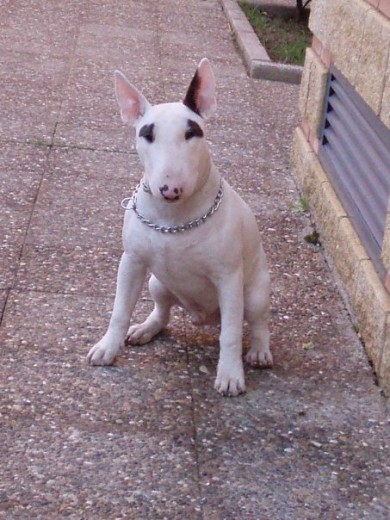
(259, 358)
(230, 382)
(142, 333)
(101, 354)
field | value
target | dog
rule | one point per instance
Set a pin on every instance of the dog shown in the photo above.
(193, 233)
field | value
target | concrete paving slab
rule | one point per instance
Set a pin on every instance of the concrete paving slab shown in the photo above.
(10, 254)
(65, 432)
(68, 270)
(296, 432)
(30, 112)
(90, 98)
(22, 169)
(91, 136)
(141, 14)
(33, 68)
(27, 28)
(79, 195)
(3, 299)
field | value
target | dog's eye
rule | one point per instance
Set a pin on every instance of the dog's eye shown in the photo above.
(193, 130)
(147, 132)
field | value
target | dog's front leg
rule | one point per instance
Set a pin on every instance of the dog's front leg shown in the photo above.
(131, 276)
(230, 373)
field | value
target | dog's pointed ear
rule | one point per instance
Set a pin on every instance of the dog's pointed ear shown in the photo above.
(132, 103)
(200, 97)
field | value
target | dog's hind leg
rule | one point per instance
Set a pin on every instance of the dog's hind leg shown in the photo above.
(158, 318)
(256, 302)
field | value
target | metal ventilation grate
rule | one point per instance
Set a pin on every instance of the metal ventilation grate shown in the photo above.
(355, 152)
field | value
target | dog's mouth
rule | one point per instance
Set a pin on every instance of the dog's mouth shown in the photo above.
(170, 200)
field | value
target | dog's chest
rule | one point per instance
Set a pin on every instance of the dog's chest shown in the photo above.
(184, 263)
(181, 260)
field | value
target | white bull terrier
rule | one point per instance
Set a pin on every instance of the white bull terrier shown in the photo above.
(193, 232)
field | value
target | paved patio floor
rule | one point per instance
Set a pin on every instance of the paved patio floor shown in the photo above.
(149, 438)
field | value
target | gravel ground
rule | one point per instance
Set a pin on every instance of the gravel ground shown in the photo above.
(149, 438)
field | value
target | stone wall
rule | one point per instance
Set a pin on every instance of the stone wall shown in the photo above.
(354, 36)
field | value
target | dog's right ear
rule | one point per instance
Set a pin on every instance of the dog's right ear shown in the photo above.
(132, 103)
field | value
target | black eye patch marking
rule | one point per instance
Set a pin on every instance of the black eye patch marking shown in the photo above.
(193, 130)
(147, 131)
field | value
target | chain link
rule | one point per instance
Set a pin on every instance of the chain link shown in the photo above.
(130, 203)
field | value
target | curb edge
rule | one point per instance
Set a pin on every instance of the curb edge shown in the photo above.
(257, 61)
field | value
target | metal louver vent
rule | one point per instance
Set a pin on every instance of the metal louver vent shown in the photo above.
(355, 152)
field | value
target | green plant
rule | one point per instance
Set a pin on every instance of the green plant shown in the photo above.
(313, 238)
(304, 204)
(308, 346)
(302, 207)
(284, 39)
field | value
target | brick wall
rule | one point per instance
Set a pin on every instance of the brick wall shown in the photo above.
(354, 36)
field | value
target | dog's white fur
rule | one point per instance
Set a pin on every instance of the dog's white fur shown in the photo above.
(215, 271)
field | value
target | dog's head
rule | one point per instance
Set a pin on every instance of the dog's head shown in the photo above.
(170, 136)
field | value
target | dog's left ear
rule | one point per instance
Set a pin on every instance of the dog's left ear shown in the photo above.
(200, 97)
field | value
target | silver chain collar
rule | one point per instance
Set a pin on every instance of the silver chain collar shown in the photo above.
(171, 229)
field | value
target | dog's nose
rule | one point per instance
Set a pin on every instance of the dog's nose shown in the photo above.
(169, 193)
